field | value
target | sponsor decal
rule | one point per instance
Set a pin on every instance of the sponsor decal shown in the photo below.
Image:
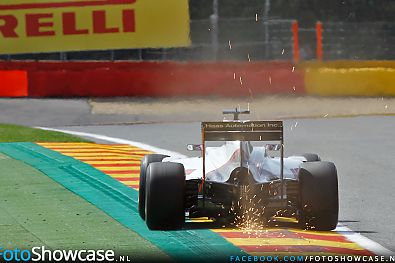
(30, 26)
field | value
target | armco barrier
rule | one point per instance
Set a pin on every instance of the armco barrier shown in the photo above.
(13, 83)
(107, 79)
(350, 78)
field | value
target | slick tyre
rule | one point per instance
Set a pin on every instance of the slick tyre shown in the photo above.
(319, 198)
(164, 196)
(150, 158)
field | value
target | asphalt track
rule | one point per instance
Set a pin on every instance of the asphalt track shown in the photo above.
(362, 148)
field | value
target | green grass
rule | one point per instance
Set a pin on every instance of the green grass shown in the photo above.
(17, 133)
(37, 211)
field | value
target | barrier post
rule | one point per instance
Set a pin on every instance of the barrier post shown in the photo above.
(318, 31)
(295, 29)
(214, 29)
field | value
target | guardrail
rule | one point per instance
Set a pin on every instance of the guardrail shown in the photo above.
(153, 79)
(164, 79)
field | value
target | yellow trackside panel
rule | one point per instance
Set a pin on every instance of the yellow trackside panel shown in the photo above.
(350, 79)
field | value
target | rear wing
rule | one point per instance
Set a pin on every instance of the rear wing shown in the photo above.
(243, 131)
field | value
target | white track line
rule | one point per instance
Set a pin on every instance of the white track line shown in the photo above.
(364, 242)
(120, 141)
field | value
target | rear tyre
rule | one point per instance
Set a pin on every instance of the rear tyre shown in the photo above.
(311, 157)
(318, 195)
(150, 158)
(164, 196)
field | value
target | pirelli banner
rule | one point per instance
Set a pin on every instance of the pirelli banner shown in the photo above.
(33, 26)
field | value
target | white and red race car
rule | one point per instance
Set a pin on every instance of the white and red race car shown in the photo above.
(235, 173)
